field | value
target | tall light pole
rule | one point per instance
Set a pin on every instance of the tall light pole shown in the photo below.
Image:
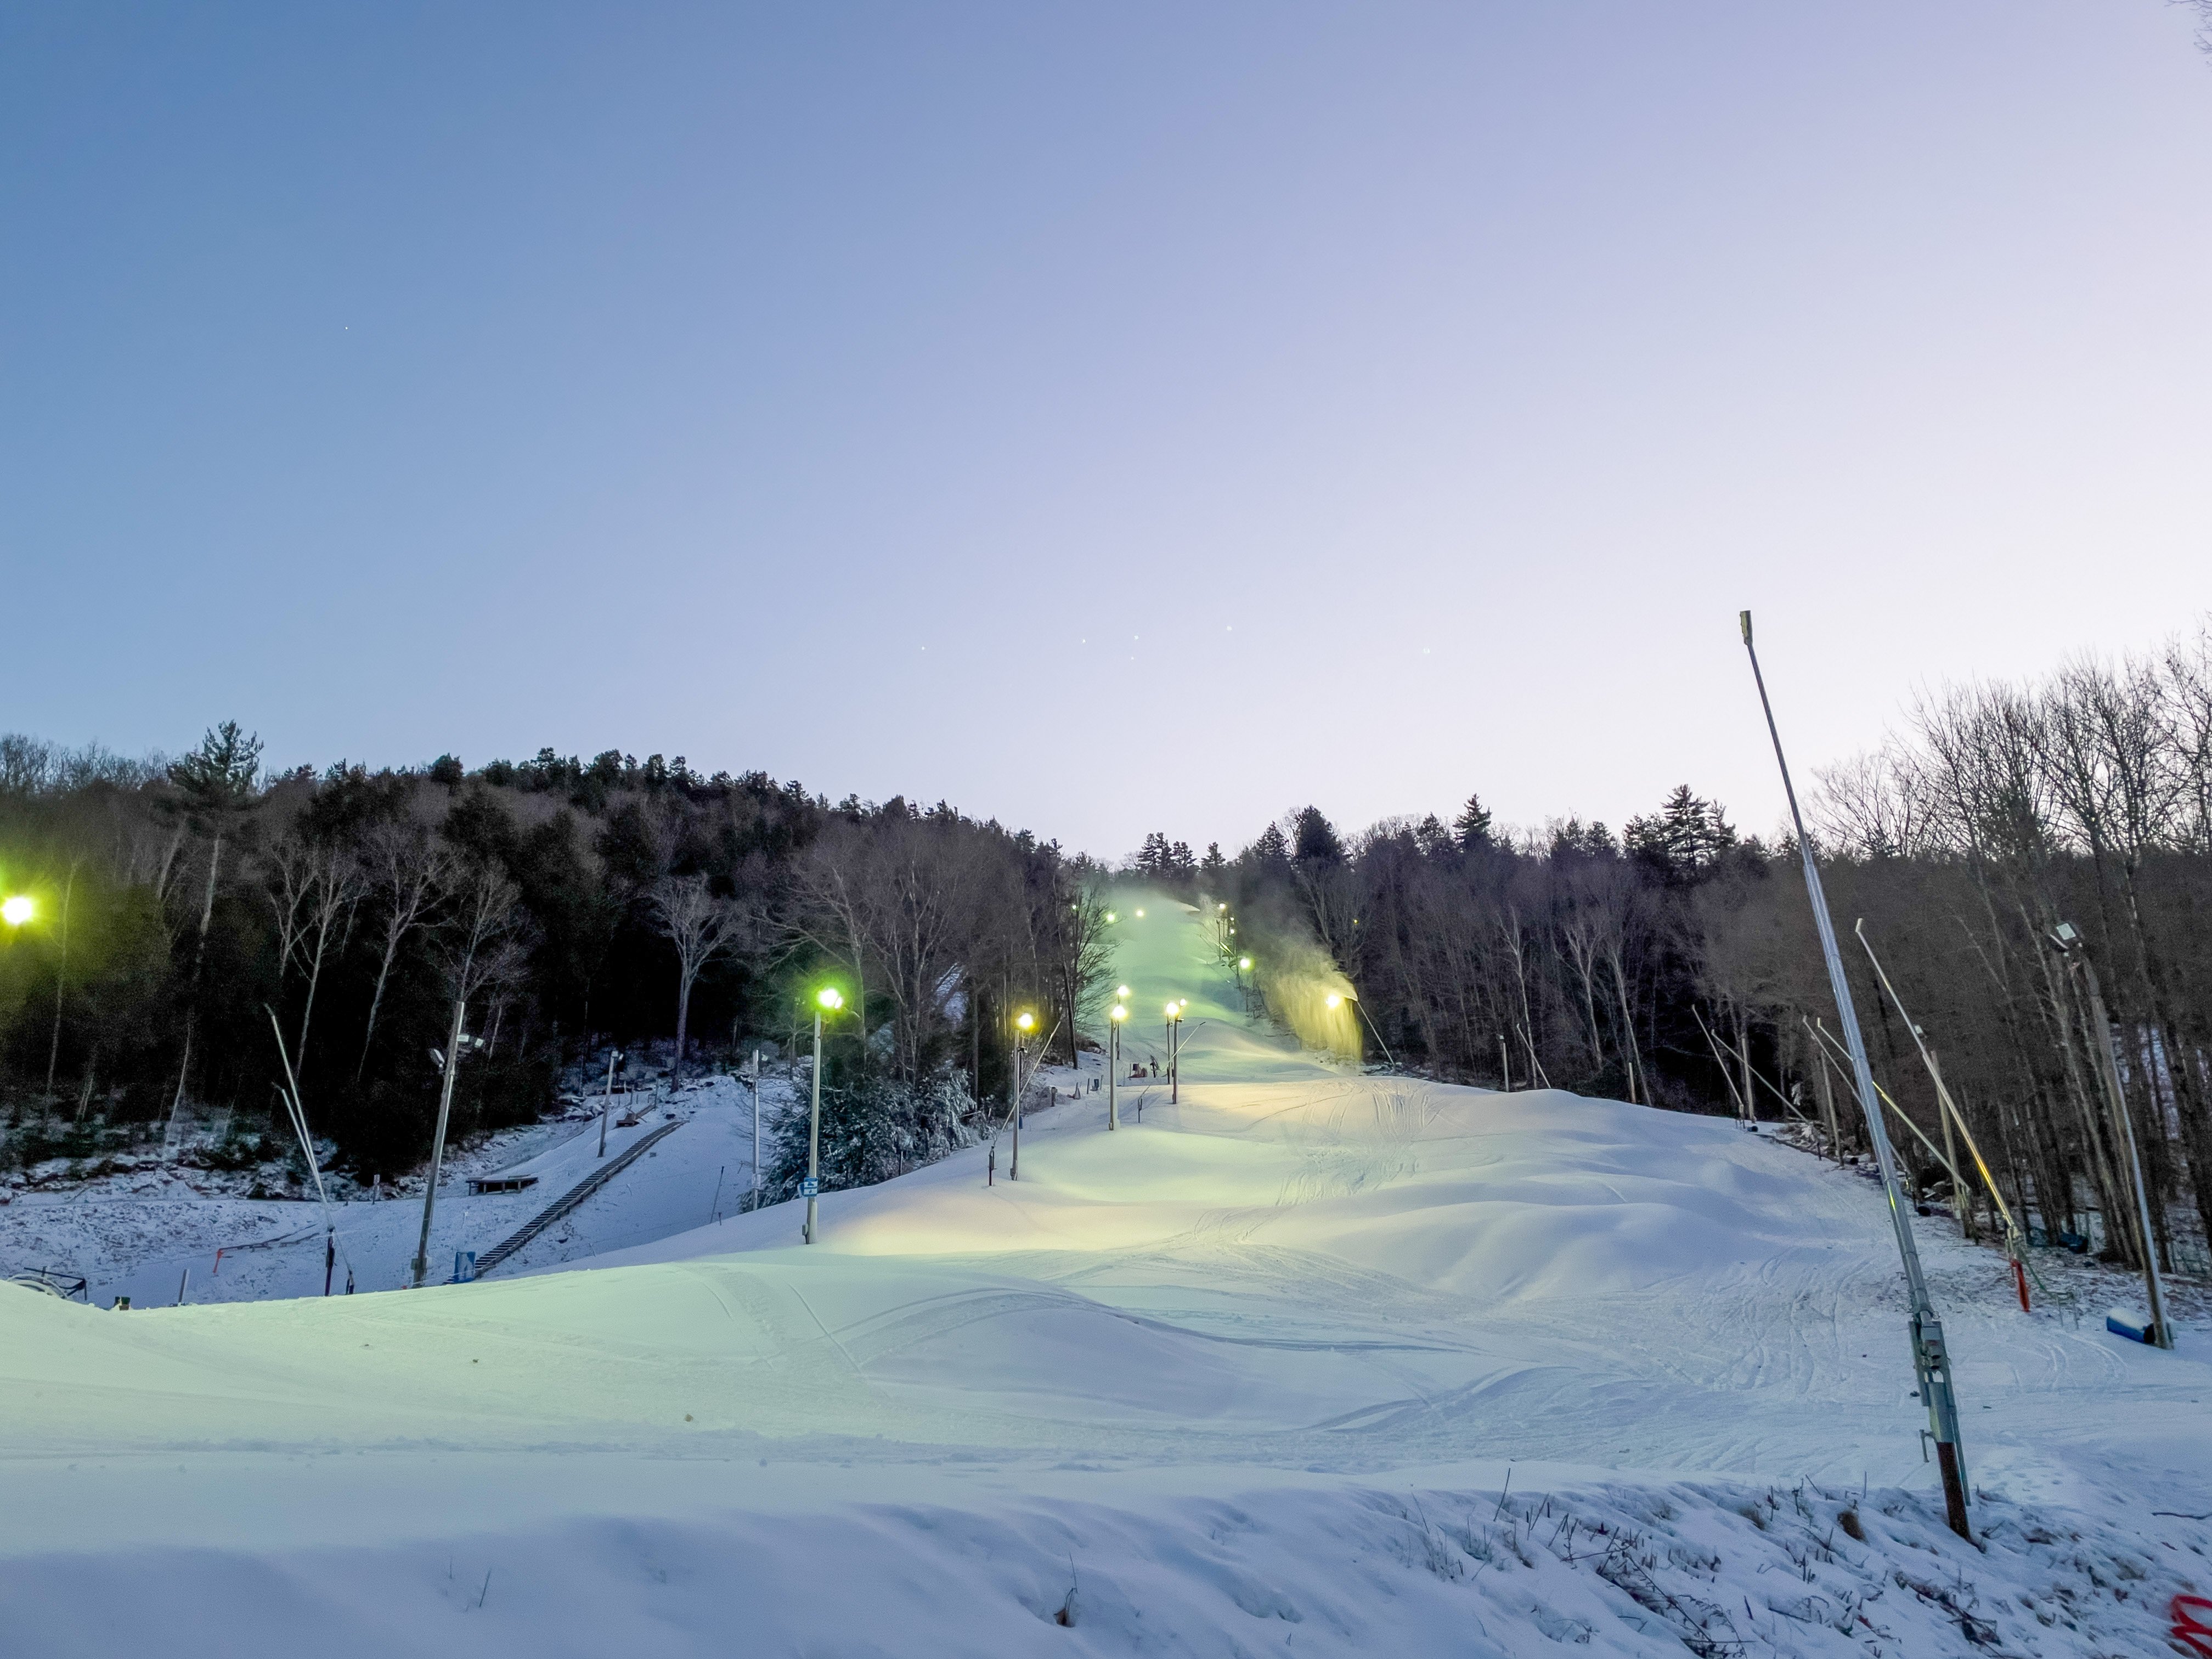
(752, 1076)
(1174, 1049)
(450, 1064)
(2108, 1073)
(1024, 1022)
(826, 1002)
(607, 1100)
(1113, 1018)
(1931, 1361)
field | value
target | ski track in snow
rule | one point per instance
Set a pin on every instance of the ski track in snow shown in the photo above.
(1252, 1376)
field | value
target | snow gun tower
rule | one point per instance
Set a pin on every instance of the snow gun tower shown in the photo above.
(1932, 1361)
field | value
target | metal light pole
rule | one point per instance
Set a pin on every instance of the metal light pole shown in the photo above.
(2108, 1072)
(752, 1076)
(1931, 1361)
(826, 1000)
(1114, 1019)
(607, 1100)
(452, 1064)
(1023, 1022)
(1505, 1063)
(1174, 1051)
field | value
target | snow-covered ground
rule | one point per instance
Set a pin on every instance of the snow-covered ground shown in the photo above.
(153, 1234)
(1308, 1361)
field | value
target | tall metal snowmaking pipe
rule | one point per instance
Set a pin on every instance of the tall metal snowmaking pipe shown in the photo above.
(1931, 1361)
(2068, 940)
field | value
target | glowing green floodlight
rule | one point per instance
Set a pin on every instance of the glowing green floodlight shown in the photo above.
(828, 998)
(1140, 915)
(1111, 916)
(1025, 1019)
(1120, 1012)
(16, 910)
(1334, 1000)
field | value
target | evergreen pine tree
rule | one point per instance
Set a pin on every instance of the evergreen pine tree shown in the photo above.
(1317, 837)
(1472, 826)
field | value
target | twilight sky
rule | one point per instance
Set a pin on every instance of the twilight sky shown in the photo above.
(1109, 417)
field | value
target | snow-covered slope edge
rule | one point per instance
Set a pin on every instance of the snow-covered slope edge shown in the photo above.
(1431, 1563)
(1245, 1374)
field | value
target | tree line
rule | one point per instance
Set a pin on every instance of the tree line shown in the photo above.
(195, 925)
(1675, 964)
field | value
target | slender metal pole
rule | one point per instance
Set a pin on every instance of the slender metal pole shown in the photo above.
(2015, 1240)
(1175, 1058)
(753, 1078)
(2109, 1071)
(298, 1110)
(607, 1100)
(1388, 1058)
(1112, 1070)
(1931, 1361)
(1505, 1063)
(1014, 1165)
(814, 1131)
(438, 1142)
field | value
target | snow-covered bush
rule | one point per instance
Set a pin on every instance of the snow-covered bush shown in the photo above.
(873, 1129)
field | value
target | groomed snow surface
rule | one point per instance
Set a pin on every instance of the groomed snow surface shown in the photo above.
(1306, 1363)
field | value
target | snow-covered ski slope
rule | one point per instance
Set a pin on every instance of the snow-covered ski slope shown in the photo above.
(1251, 1375)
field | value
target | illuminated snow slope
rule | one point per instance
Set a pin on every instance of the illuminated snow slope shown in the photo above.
(1246, 1377)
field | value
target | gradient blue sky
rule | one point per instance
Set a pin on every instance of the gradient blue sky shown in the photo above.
(1108, 418)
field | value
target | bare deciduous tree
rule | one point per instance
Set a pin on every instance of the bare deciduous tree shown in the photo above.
(409, 874)
(702, 927)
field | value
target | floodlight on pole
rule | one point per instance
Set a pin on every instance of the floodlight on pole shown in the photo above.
(17, 908)
(1174, 1049)
(1931, 1360)
(827, 1000)
(1115, 1016)
(1122, 992)
(1024, 1022)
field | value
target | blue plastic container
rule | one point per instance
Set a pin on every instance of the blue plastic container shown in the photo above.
(2136, 1328)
